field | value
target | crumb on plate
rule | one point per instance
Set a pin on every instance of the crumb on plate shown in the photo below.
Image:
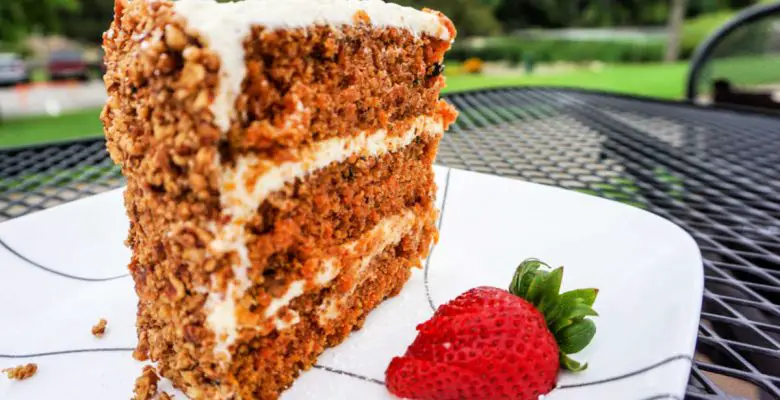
(166, 396)
(21, 372)
(99, 329)
(146, 384)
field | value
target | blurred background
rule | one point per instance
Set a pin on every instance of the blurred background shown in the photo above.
(50, 57)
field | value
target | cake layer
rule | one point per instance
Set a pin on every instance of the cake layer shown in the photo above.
(266, 365)
(252, 179)
(314, 84)
(225, 27)
(338, 204)
(343, 267)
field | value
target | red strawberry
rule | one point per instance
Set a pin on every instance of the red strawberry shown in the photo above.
(493, 344)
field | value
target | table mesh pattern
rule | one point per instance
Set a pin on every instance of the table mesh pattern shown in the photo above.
(715, 173)
(35, 178)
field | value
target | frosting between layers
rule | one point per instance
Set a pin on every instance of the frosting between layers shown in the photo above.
(252, 180)
(392, 229)
(359, 253)
(244, 188)
(225, 26)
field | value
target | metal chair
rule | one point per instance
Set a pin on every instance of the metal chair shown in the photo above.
(739, 65)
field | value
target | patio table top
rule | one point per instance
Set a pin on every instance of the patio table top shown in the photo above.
(714, 172)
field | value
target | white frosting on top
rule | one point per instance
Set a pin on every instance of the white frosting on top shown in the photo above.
(245, 187)
(225, 26)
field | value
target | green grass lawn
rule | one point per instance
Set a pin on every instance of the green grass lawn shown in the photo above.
(666, 81)
(745, 70)
(31, 130)
(656, 80)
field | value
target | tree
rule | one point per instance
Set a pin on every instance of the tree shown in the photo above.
(675, 27)
(21, 17)
(87, 23)
(472, 17)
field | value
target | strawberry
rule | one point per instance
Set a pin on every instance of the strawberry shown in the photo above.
(494, 344)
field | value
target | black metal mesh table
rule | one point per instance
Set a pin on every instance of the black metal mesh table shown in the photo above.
(714, 172)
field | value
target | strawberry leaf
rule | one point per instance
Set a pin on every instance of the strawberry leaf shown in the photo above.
(537, 287)
(575, 312)
(588, 296)
(572, 365)
(565, 314)
(524, 274)
(576, 337)
(564, 307)
(551, 288)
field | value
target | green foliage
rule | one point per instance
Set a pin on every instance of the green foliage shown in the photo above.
(513, 49)
(586, 13)
(89, 21)
(748, 39)
(20, 17)
(14, 47)
(696, 30)
(516, 14)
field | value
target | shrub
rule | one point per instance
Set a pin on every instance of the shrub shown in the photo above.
(18, 48)
(698, 29)
(752, 38)
(545, 50)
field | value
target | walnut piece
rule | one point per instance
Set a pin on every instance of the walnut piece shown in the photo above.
(21, 372)
(146, 384)
(99, 329)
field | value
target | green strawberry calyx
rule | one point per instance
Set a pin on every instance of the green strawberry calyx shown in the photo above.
(566, 313)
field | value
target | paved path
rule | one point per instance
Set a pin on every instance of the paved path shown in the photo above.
(51, 98)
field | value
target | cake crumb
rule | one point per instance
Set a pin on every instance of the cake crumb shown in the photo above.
(146, 384)
(165, 396)
(100, 328)
(21, 372)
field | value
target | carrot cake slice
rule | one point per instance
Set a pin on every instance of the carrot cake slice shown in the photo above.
(279, 162)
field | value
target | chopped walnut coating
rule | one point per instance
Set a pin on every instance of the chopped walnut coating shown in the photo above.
(99, 329)
(21, 372)
(146, 384)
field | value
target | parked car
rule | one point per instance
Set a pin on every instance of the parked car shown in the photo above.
(12, 70)
(67, 65)
(101, 63)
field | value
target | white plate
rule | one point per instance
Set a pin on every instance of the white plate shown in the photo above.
(64, 268)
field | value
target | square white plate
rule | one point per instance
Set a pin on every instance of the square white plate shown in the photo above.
(64, 268)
